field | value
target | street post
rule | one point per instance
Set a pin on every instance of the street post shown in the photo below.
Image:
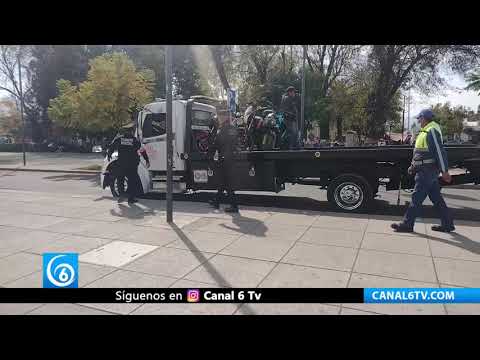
(169, 80)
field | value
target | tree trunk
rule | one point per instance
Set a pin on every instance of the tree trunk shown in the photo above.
(217, 58)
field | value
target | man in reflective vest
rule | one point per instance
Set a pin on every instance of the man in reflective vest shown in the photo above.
(429, 159)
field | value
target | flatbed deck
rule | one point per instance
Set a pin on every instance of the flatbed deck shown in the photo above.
(376, 153)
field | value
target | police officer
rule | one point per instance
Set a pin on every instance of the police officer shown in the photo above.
(225, 143)
(128, 148)
(429, 158)
(290, 107)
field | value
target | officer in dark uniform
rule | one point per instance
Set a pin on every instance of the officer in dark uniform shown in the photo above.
(128, 148)
(429, 159)
(225, 143)
(214, 164)
(290, 107)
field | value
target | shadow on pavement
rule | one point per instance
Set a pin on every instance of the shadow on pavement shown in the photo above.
(93, 178)
(219, 279)
(131, 211)
(379, 207)
(245, 225)
(458, 240)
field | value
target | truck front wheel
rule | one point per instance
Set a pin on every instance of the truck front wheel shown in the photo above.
(119, 186)
(350, 192)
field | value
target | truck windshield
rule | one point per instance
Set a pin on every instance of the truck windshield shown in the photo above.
(154, 125)
(201, 118)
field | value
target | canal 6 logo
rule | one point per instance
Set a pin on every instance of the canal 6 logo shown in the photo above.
(60, 270)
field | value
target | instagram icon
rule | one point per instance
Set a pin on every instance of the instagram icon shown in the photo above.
(193, 295)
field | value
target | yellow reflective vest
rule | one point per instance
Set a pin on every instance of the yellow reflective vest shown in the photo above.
(421, 142)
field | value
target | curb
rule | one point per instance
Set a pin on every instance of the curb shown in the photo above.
(95, 172)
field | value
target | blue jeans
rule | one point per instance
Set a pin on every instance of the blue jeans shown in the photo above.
(426, 184)
(292, 134)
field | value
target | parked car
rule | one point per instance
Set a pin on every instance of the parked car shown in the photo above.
(54, 147)
(97, 149)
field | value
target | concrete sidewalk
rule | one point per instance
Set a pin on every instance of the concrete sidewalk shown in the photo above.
(125, 245)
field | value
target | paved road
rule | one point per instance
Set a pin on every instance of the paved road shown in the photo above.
(65, 161)
(464, 200)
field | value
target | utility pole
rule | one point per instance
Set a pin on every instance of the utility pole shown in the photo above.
(403, 118)
(169, 80)
(21, 107)
(302, 113)
(409, 101)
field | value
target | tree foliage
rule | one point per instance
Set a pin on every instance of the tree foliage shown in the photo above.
(450, 118)
(10, 55)
(148, 57)
(50, 63)
(347, 86)
(474, 81)
(10, 120)
(187, 79)
(113, 91)
(401, 66)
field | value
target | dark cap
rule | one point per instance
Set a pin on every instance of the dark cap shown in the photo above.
(426, 114)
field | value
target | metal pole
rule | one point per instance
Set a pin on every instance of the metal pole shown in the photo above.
(403, 119)
(21, 108)
(302, 115)
(409, 101)
(169, 80)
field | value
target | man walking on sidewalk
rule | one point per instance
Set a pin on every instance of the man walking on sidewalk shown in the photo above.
(429, 159)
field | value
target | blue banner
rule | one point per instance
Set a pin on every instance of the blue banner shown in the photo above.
(421, 295)
(232, 100)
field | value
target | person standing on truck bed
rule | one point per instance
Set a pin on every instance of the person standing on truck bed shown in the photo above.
(226, 144)
(128, 148)
(429, 158)
(290, 106)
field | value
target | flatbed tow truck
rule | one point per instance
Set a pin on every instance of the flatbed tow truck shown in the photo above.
(351, 175)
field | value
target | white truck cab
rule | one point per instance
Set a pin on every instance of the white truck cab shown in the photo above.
(151, 131)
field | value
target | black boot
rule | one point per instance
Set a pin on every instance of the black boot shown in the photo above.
(443, 229)
(401, 227)
(132, 200)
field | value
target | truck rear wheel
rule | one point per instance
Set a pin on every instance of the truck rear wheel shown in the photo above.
(350, 192)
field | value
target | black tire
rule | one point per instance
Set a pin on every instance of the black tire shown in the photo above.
(350, 193)
(116, 188)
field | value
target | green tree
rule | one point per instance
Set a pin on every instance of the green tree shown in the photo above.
(188, 80)
(450, 118)
(113, 91)
(10, 120)
(474, 82)
(148, 57)
(398, 67)
(50, 63)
